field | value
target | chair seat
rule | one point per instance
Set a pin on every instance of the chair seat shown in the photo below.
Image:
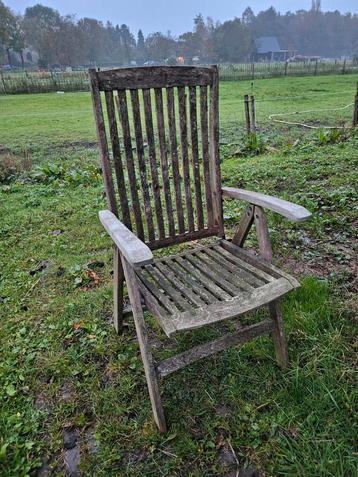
(208, 284)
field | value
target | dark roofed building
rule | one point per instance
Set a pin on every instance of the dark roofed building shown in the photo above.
(268, 49)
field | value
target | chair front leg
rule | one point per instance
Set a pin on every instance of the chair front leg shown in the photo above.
(147, 357)
(275, 307)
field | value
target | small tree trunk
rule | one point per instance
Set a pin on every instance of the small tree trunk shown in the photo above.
(8, 56)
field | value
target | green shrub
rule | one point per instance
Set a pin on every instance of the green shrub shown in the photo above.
(254, 145)
(52, 172)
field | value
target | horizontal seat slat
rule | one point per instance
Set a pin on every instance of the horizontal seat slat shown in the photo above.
(223, 268)
(213, 275)
(182, 287)
(203, 279)
(184, 276)
(243, 272)
(230, 267)
(164, 284)
(253, 271)
(159, 295)
(258, 262)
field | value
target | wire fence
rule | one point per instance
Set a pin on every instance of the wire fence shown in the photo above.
(321, 112)
(43, 82)
(252, 71)
(71, 81)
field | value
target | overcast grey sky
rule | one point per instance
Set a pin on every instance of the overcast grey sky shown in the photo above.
(173, 15)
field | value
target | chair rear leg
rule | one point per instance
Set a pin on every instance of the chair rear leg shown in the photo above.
(278, 334)
(118, 282)
(147, 357)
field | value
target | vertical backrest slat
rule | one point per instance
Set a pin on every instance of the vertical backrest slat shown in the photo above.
(195, 155)
(123, 111)
(117, 160)
(205, 152)
(102, 140)
(214, 152)
(164, 159)
(175, 159)
(185, 158)
(153, 161)
(141, 163)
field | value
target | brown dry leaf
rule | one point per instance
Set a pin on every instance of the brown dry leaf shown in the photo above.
(220, 438)
(291, 432)
(93, 276)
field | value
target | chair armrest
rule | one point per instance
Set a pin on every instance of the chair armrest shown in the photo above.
(130, 246)
(289, 210)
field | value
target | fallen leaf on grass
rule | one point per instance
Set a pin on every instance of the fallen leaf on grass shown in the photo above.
(93, 276)
(220, 441)
(291, 432)
(220, 438)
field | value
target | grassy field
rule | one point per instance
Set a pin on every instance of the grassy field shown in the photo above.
(70, 387)
(33, 121)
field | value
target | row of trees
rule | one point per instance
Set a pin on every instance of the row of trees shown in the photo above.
(64, 40)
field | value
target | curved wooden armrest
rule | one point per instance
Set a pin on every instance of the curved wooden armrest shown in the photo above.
(130, 246)
(289, 210)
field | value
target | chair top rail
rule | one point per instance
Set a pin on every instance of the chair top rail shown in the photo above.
(145, 77)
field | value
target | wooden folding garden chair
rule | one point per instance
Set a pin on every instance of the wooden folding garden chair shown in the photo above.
(162, 181)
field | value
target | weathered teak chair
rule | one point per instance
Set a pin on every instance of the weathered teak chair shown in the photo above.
(169, 192)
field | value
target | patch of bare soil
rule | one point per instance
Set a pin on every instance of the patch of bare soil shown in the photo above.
(330, 258)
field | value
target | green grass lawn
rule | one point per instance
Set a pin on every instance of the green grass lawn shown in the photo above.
(64, 371)
(32, 121)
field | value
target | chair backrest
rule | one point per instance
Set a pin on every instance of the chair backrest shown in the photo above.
(168, 186)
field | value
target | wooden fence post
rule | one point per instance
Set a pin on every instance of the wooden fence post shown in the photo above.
(253, 71)
(253, 114)
(316, 68)
(344, 67)
(286, 65)
(247, 113)
(355, 111)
